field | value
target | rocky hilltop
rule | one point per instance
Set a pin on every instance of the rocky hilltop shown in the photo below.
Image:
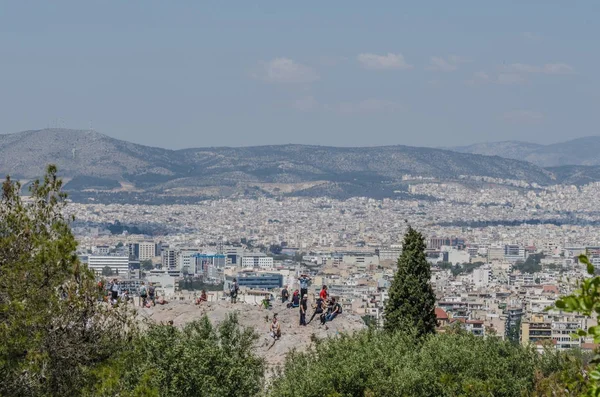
(250, 315)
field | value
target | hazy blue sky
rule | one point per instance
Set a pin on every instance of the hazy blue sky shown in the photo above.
(349, 73)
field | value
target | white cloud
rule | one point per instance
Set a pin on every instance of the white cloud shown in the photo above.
(523, 116)
(382, 62)
(285, 70)
(446, 65)
(510, 78)
(549, 68)
(366, 106)
(479, 78)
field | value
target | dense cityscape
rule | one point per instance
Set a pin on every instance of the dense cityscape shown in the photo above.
(500, 253)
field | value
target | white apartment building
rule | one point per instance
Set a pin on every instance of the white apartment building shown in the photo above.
(118, 264)
(169, 259)
(187, 260)
(255, 260)
(389, 254)
(147, 250)
(481, 277)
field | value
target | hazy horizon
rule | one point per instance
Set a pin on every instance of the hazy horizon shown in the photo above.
(189, 74)
(288, 143)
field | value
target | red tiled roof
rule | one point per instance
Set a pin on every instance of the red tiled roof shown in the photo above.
(440, 314)
(551, 288)
(589, 346)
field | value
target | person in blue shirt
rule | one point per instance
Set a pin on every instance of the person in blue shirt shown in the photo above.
(303, 280)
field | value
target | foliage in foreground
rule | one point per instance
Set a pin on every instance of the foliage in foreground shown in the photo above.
(586, 300)
(52, 329)
(375, 363)
(197, 360)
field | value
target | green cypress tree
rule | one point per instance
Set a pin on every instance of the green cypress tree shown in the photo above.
(411, 303)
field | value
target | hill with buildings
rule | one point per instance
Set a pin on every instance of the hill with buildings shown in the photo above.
(580, 151)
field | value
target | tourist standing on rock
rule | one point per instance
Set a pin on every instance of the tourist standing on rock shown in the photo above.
(303, 279)
(319, 309)
(233, 290)
(285, 295)
(143, 295)
(324, 294)
(275, 328)
(152, 294)
(303, 307)
(115, 290)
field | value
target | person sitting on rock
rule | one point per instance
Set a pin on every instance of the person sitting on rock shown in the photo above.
(328, 308)
(295, 300)
(202, 298)
(275, 328)
(319, 307)
(335, 310)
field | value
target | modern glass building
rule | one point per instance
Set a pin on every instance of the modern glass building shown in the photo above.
(260, 280)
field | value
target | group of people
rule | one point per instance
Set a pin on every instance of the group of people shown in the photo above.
(147, 295)
(113, 293)
(327, 308)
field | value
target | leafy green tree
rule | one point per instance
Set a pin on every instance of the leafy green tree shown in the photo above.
(107, 271)
(147, 265)
(379, 363)
(411, 301)
(197, 360)
(52, 328)
(586, 300)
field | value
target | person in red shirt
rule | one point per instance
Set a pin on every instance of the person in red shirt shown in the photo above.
(323, 294)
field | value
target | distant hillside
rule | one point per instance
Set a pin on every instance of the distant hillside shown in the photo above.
(576, 174)
(289, 169)
(580, 151)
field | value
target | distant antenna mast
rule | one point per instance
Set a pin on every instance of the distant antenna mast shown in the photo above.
(91, 128)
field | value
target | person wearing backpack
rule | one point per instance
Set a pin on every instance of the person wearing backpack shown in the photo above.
(152, 294)
(143, 295)
(336, 309)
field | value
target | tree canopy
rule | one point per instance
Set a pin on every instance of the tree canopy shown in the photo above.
(376, 363)
(52, 325)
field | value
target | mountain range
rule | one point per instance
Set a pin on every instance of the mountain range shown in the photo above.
(580, 151)
(93, 162)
